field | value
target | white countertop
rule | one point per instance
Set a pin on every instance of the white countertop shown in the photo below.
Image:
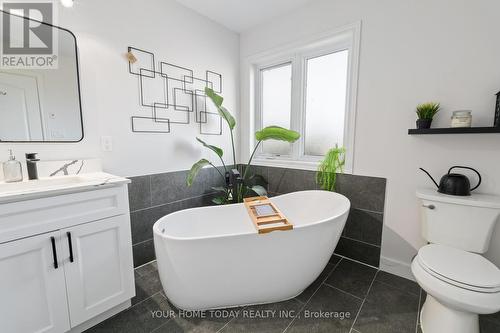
(51, 186)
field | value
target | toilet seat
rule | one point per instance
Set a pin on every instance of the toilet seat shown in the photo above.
(459, 268)
(453, 295)
(459, 285)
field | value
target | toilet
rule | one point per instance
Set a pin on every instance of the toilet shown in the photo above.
(460, 283)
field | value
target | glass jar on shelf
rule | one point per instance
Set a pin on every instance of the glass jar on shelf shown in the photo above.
(461, 118)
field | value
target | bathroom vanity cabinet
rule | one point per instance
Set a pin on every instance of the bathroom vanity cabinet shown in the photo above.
(65, 259)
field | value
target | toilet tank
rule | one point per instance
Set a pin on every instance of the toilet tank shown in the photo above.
(465, 223)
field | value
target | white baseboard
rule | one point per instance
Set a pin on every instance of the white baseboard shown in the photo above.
(396, 267)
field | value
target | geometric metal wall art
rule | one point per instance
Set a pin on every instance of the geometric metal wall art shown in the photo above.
(171, 95)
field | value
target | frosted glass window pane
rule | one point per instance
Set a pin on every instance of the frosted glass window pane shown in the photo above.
(276, 104)
(325, 102)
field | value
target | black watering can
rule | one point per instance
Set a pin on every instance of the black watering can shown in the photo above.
(455, 183)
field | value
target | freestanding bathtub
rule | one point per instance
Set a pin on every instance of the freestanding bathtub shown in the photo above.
(212, 257)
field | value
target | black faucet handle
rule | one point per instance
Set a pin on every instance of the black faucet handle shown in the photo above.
(236, 175)
(32, 156)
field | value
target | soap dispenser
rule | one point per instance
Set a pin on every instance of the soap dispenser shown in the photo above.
(12, 170)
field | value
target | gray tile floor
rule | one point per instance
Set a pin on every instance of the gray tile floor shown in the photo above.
(360, 299)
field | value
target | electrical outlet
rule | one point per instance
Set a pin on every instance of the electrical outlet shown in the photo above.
(106, 143)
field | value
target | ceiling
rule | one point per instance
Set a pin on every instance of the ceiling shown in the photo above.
(240, 15)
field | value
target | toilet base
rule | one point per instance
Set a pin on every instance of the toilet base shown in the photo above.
(438, 318)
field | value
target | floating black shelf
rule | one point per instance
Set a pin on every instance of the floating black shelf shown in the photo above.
(456, 130)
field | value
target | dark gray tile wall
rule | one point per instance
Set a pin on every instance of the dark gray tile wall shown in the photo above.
(362, 235)
(154, 196)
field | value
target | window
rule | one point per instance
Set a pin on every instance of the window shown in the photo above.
(326, 85)
(310, 89)
(276, 104)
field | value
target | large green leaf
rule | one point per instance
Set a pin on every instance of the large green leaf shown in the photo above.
(219, 200)
(223, 112)
(256, 180)
(195, 169)
(227, 116)
(215, 149)
(259, 190)
(254, 191)
(217, 99)
(219, 189)
(276, 133)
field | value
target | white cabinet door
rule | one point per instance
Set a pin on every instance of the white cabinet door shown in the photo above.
(33, 296)
(100, 274)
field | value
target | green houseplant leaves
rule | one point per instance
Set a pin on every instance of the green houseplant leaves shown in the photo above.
(334, 162)
(272, 133)
(217, 100)
(195, 169)
(215, 149)
(427, 110)
(251, 186)
(276, 133)
(269, 133)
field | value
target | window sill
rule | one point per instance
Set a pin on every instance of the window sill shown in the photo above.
(289, 164)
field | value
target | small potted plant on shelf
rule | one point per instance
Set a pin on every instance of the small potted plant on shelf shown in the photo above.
(425, 114)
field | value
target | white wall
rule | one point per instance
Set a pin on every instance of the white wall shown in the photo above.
(110, 94)
(411, 52)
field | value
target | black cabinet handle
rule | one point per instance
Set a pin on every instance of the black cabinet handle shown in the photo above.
(54, 252)
(70, 244)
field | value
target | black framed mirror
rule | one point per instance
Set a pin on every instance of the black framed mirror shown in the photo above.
(39, 104)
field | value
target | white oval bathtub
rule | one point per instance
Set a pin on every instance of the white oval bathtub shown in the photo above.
(212, 257)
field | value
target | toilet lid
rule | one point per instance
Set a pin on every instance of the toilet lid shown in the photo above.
(460, 268)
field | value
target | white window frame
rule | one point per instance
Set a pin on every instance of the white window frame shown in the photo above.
(345, 38)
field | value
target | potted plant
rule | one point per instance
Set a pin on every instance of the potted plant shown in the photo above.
(334, 162)
(425, 114)
(252, 185)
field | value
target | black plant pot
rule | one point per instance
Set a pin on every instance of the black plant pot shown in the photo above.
(424, 123)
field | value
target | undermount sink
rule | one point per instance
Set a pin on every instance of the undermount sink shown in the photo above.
(40, 184)
(51, 185)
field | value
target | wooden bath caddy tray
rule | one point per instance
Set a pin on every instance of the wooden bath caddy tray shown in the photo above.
(265, 216)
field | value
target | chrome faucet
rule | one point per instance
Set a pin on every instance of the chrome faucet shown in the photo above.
(31, 166)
